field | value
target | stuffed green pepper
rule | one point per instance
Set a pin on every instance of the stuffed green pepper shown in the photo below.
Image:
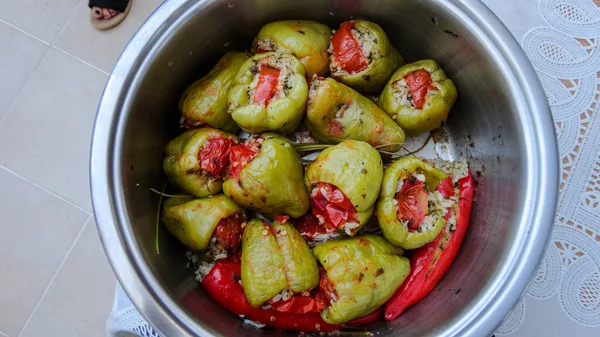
(344, 182)
(419, 96)
(197, 160)
(204, 102)
(362, 57)
(412, 207)
(265, 175)
(362, 272)
(335, 113)
(306, 40)
(276, 263)
(269, 93)
(210, 225)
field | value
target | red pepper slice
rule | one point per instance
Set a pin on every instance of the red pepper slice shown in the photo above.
(335, 208)
(267, 84)
(419, 83)
(347, 51)
(299, 305)
(230, 231)
(446, 188)
(240, 155)
(214, 155)
(413, 202)
(430, 262)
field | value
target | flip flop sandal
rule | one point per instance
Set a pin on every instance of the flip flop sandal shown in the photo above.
(122, 6)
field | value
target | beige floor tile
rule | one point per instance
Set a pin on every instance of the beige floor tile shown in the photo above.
(80, 297)
(102, 48)
(36, 231)
(18, 56)
(45, 135)
(43, 19)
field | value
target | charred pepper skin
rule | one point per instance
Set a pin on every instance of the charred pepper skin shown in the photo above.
(393, 229)
(431, 262)
(182, 165)
(385, 61)
(365, 270)
(282, 114)
(306, 40)
(193, 221)
(271, 183)
(205, 101)
(355, 168)
(437, 104)
(275, 259)
(360, 119)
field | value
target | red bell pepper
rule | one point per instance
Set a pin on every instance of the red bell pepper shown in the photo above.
(419, 83)
(214, 155)
(431, 262)
(347, 50)
(335, 208)
(267, 84)
(222, 285)
(446, 188)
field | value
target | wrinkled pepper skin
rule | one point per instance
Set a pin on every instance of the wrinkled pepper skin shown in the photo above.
(272, 182)
(182, 165)
(193, 221)
(222, 285)
(274, 259)
(361, 119)
(205, 101)
(431, 262)
(383, 64)
(283, 113)
(393, 229)
(365, 271)
(306, 40)
(437, 105)
(355, 168)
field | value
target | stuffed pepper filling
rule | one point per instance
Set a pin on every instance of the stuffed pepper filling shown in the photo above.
(242, 154)
(333, 209)
(273, 78)
(313, 231)
(189, 124)
(412, 90)
(214, 156)
(265, 45)
(352, 49)
(227, 237)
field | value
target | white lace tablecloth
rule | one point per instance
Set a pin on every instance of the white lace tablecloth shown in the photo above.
(561, 38)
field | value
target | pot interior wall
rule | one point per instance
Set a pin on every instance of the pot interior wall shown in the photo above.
(482, 127)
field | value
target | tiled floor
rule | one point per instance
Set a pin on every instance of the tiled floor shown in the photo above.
(54, 277)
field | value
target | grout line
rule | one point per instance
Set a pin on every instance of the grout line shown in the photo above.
(25, 32)
(45, 190)
(85, 224)
(80, 60)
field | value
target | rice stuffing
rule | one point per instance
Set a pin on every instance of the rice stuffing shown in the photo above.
(201, 268)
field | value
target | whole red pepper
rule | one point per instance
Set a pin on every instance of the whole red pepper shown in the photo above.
(419, 83)
(222, 285)
(346, 49)
(430, 262)
(267, 83)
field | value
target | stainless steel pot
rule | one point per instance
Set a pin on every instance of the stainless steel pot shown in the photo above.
(501, 122)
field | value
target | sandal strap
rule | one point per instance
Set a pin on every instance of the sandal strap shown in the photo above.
(118, 5)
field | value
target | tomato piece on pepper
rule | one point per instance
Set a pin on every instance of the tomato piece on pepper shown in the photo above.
(230, 231)
(347, 50)
(298, 305)
(419, 83)
(240, 155)
(326, 291)
(330, 203)
(413, 202)
(214, 155)
(446, 188)
(267, 84)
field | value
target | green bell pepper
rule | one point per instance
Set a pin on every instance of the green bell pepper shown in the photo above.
(269, 93)
(306, 40)
(336, 112)
(393, 228)
(183, 166)
(419, 96)
(193, 221)
(365, 271)
(362, 56)
(275, 259)
(356, 169)
(204, 102)
(271, 183)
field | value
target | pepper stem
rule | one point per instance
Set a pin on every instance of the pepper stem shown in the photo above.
(311, 147)
(410, 153)
(162, 193)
